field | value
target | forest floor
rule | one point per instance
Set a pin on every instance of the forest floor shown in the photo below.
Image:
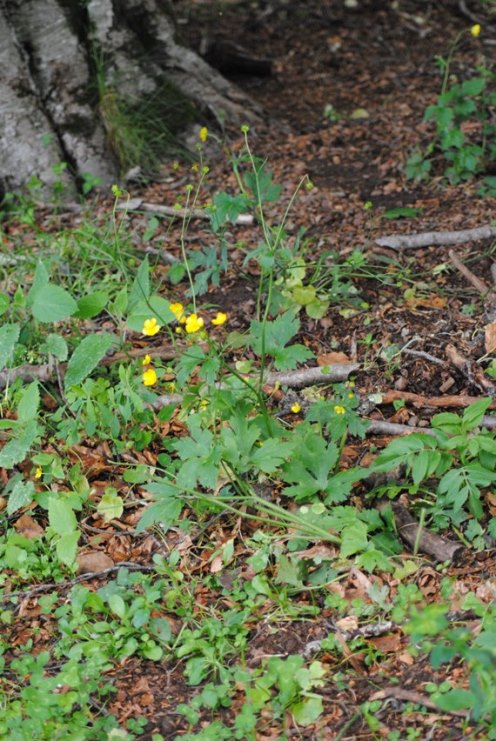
(245, 599)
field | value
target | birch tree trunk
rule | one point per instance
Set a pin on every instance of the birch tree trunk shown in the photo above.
(50, 99)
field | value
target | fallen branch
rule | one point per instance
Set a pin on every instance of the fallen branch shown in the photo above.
(47, 371)
(417, 537)
(455, 401)
(398, 693)
(428, 239)
(477, 283)
(137, 204)
(470, 369)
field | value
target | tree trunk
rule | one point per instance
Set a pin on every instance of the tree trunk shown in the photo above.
(63, 66)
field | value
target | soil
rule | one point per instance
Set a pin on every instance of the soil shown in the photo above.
(375, 65)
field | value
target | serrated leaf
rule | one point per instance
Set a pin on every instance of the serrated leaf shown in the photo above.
(55, 345)
(40, 279)
(53, 303)
(271, 455)
(140, 290)
(16, 450)
(21, 495)
(9, 334)
(91, 305)
(156, 307)
(67, 547)
(165, 512)
(308, 710)
(110, 506)
(86, 357)
(353, 539)
(29, 403)
(61, 516)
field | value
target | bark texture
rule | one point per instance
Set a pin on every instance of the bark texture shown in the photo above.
(56, 57)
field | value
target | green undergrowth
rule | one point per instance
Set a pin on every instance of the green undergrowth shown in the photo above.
(258, 491)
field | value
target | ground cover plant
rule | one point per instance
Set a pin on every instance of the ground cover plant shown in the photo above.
(247, 451)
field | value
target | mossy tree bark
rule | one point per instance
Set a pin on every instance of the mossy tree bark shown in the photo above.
(56, 58)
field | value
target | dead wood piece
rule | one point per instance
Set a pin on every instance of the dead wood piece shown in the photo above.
(418, 400)
(381, 427)
(49, 371)
(137, 204)
(470, 369)
(428, 239)
(414, 535)
(477, 283)
(310, 376)
(398, 693)
(373, 630)
(425, 355)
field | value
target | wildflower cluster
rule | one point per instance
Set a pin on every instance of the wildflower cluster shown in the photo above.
(189, 323)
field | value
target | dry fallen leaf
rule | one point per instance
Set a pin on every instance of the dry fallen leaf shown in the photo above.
(93, 561)
(28, 527)
(491, 337)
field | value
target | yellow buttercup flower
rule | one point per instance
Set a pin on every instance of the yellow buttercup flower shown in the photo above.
(339, 409)
(177, 310)
(193, 323)
(475, 30)
(38, 472)
(219, 319)
(146, 360)
(296, 408)
(351, 396)
(203, 134)
(150, 377)
(151, 327)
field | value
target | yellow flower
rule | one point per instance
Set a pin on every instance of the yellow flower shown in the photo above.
(203, 134)
(194, 323)
(339, 409)
(150, 377)
(296, 408)
(179, 330)
(151, 327)
(475, 30)
(351, 396)
(203, 403)
(38, 472)
(177, 310)
(219, 319)
(146, 360)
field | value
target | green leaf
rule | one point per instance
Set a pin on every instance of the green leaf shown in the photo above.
(61, 516)
(472, 416)
(41, 279)
(110, 505)
(67, 547)
(53, 304)
(472, 87)
(4, 303)
(29, 403)
(308, 710)
(117, 605)
(16, 450)
(92, 304)
(353, 539)
(156, 307)
(455, 699)
(9, 334)
(86, 357)
(402, 212)
(21, 495)
(165, 511)
(271, 455)
(140, 290)
(55, 345)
